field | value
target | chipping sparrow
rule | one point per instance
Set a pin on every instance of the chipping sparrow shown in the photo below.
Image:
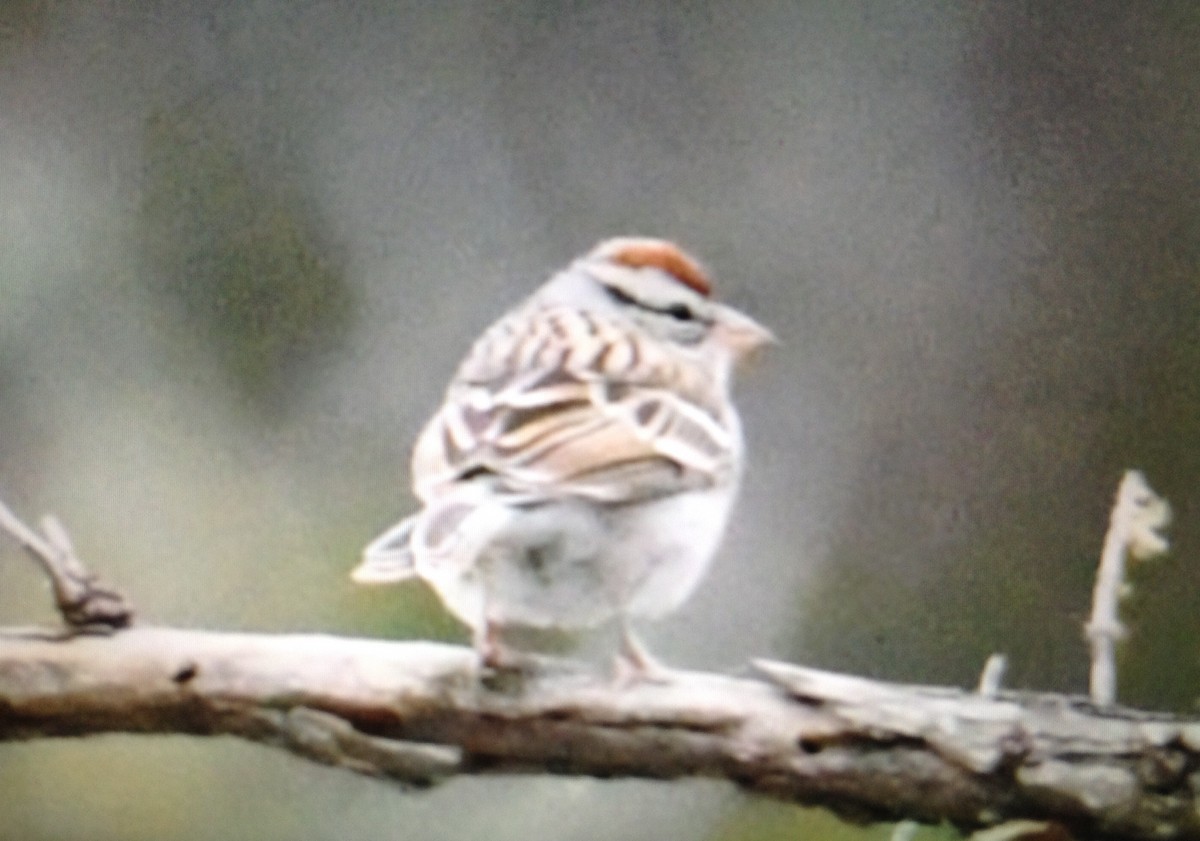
(586, 457)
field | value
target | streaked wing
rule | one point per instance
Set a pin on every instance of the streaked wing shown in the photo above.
(571, 404)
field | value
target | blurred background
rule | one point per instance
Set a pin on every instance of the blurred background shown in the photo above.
(244, 244)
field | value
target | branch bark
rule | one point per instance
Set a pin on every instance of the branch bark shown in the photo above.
(417, 713)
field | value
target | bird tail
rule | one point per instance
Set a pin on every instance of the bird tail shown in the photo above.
(389, 557)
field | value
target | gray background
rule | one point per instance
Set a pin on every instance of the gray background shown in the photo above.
(243, 245)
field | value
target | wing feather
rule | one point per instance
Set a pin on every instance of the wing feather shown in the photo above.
(572, 408)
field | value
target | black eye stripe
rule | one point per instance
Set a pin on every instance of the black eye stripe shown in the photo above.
(679, 312)
(621, 296)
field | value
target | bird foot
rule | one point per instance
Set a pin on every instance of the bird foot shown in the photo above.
(633, 663)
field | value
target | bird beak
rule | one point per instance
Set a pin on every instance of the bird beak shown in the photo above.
(741, 333)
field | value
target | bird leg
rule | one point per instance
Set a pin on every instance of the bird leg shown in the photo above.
(487, 643)
(634, 663)
(492, 651)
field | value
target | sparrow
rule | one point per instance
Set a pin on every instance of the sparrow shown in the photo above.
(585, 459)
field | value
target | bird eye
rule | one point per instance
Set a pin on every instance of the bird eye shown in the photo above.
(680, 312)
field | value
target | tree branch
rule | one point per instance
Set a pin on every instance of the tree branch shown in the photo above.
(1028, 765)
(1137, 518)
(417, 713)
(84, 603)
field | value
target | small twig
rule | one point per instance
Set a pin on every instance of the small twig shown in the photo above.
(82, 601)
(991, 679)
(1137, 516)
